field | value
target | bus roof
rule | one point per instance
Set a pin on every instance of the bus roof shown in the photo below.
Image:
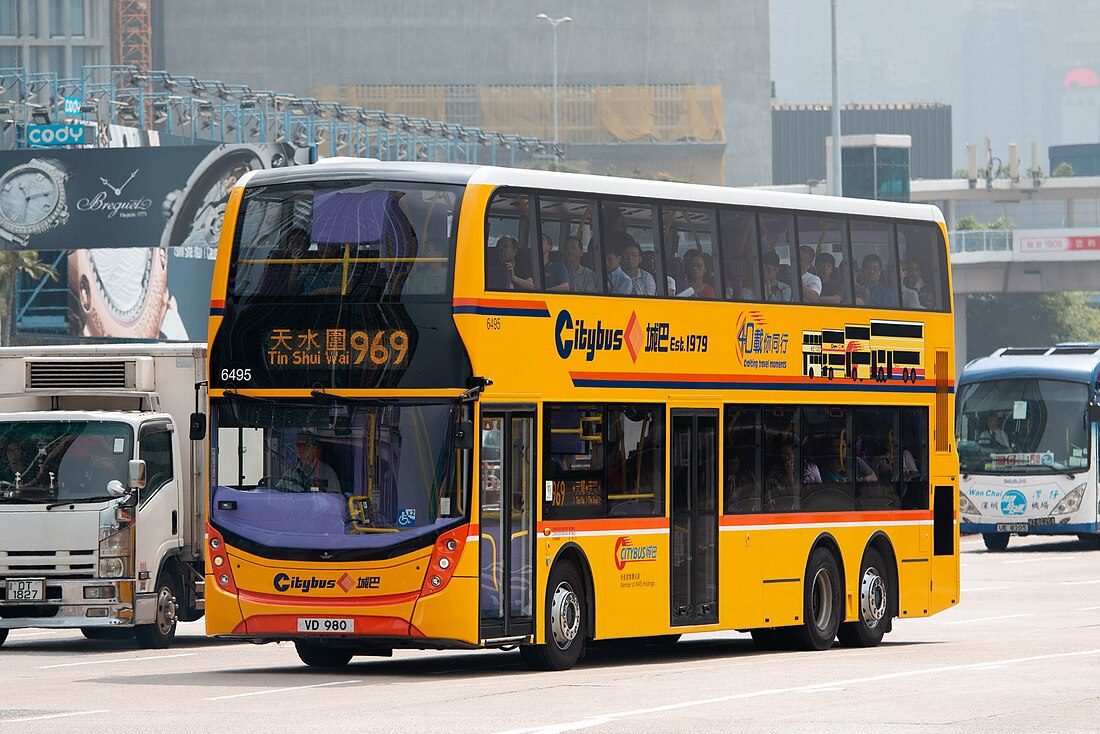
(459, 174)
(1072, 362)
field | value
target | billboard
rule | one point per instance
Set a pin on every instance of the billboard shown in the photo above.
(131, 232)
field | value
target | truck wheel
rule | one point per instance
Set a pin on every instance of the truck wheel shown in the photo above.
(564, 621)
(874, 604)
(162, 631)
(319, 656)
(3, 636)
(995, 541)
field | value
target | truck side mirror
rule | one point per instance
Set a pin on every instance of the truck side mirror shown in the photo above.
(464, 435)
(136, 470)
(198, 426)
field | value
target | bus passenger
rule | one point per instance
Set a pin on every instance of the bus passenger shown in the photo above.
(832, 290)
(581, 279)
(774, 289)
(430, 276)
(501, 268)
(878, 293)
(618, 281)
(811, 284)
(555, 277)
(641, 281)
(696, 273)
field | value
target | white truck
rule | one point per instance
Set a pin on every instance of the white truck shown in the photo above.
(102, 476)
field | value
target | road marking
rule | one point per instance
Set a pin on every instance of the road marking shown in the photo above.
(1078, 583)
(53, 716)
(990, 619)
(602, 719)
(117, 660)
(284, 690)
(1088, 609)
(987, 588)
(1034, 560)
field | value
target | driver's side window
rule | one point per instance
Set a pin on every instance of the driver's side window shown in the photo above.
(155, 448)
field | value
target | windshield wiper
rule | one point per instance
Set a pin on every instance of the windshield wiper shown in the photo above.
(79, 500)
(241, 396)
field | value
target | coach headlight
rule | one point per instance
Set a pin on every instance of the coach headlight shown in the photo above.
(966, 507)
(1071, 502)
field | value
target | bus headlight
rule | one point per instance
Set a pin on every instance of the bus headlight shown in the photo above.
(966, 507)
(1071, 502)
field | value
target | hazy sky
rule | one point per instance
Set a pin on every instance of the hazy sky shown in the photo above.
(1000, 64)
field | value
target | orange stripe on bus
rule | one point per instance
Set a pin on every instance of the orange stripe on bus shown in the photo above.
(625, 525)
(825, 518)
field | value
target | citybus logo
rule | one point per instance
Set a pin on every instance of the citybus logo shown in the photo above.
(626, 552)
(570, 336)
(283, 582)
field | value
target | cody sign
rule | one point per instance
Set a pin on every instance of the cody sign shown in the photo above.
(52, 135)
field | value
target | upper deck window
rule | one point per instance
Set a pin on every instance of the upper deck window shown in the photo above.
(361, 242)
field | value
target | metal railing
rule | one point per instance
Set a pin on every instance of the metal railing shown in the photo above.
(981, 240)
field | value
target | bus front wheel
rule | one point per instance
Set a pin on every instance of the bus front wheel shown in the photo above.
(564, 621)
(995, 541)
(874, 604)
(319, 656)
(823, 595)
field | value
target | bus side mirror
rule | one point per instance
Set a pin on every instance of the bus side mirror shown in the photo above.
(198, 426)
(464, 435)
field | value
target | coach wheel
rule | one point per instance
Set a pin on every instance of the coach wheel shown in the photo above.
(823, 595)
(995, 541)
(874, 604)
(829, 373)
(319, 656)
(564, 622)
(162, 631)
(3, 636)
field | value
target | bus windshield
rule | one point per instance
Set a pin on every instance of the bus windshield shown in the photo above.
(364, 242)
(335, 476)
(1022, 426)
(51, 461)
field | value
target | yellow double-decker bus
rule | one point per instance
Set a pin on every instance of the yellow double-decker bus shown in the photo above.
(474, 407)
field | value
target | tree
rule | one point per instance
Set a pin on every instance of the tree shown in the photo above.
(11, 263)
(1064, 170)
(968, 223)
(995, 320)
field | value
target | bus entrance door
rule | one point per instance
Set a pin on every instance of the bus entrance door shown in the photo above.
(507, 522)
(694, 520)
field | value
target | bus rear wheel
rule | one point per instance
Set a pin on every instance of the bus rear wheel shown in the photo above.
(995, 541)
(874, 604)
(319, 656)
(565, 621)
(823, 595)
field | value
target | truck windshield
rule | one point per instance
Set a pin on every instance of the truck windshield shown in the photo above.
(1022, 426)
(338, 479)
(52, 461)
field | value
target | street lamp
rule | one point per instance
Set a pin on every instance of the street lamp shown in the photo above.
(554, 23)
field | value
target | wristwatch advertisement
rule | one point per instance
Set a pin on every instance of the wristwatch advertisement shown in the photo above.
(32, 199)
(119, 292)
